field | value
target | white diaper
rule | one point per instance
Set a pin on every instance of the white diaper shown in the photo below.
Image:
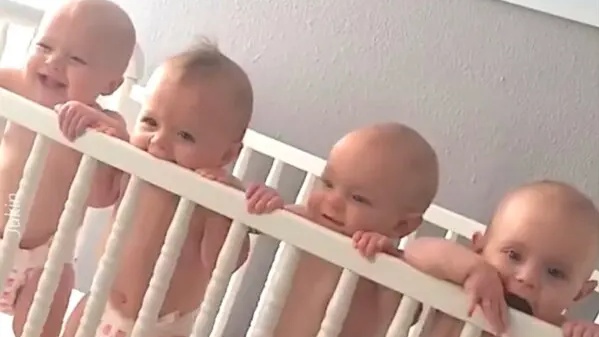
(113, 324)
(26, 261)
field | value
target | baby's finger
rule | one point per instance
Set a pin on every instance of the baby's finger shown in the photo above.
(251, 190)
(473, 303)
(373, 247)
(82, 124)
(274, 203)
(493, 316)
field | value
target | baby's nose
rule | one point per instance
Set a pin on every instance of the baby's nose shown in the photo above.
(158, 148)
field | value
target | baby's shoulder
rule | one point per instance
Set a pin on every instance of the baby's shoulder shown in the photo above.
(12, 79)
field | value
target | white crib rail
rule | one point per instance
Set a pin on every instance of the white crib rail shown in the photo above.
(298, 232)
(20, 14)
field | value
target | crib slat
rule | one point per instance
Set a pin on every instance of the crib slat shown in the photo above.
(274, 175)
(21, 204)
(275, 291)
(108, 264)
(339, 305)
(400, 326)
(404, 241)
(4, 25)
(163, 271)
(215, 291)
(242, 163)
(278, 282)
(61, 249)
(237, 278)
(239, 171)
(470, 330)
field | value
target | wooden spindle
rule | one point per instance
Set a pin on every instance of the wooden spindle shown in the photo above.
(215, 291)
(470, 330)
(339, 305)
(108, 264)
(61, 249)
(278, 282)
(163, 271)
(402, 321)
(21, 204)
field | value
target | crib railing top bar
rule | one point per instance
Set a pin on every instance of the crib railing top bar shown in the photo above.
(292, 156)
(454, 222)
(20, 14)
(281, 224)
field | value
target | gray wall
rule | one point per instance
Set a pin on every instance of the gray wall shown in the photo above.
(505, 94)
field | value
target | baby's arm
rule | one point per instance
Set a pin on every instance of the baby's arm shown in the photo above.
(107, 179)
(74, 118)
(442, 259)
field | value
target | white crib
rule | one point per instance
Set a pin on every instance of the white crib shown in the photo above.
(295, 233)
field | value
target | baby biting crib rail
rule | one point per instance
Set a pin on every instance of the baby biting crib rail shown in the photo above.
(295, 232)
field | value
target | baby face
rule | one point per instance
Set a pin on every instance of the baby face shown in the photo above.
(358, 193)
(68, 59)
(543, 256)
(182, 124)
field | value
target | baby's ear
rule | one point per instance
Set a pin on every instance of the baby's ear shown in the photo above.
(112, 86)
(408, 225)
(587, 288)
(477, 242)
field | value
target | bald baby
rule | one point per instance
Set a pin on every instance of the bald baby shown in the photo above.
(80, 51)
(537, 256)
(376, 185)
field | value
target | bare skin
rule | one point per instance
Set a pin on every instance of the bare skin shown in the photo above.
(387, 194)
(66, 63)
(542, 246)
(178, 124)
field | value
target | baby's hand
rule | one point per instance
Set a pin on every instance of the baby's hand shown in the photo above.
(112, 132)
(262, 199)
(74, 117)
(580, 329)
(371, 243)
(485, 289)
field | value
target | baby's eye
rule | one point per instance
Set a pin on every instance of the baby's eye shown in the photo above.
(555, 272)
(149, 121)
(78, 60)
(327, 183)
(360, 199)
(186, 136)
(513, 255)
(43, 47)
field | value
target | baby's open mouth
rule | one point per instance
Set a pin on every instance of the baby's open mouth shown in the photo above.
(518, 303)
(51, 83)
(333, 221)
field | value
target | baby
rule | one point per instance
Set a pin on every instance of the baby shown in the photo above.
(198, 107)
(81, 51)
(378, 178)
(541, 248)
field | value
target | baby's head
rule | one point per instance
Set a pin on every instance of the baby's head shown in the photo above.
(198, 108)
(81, 51)
(544, 240)
(378, 178)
